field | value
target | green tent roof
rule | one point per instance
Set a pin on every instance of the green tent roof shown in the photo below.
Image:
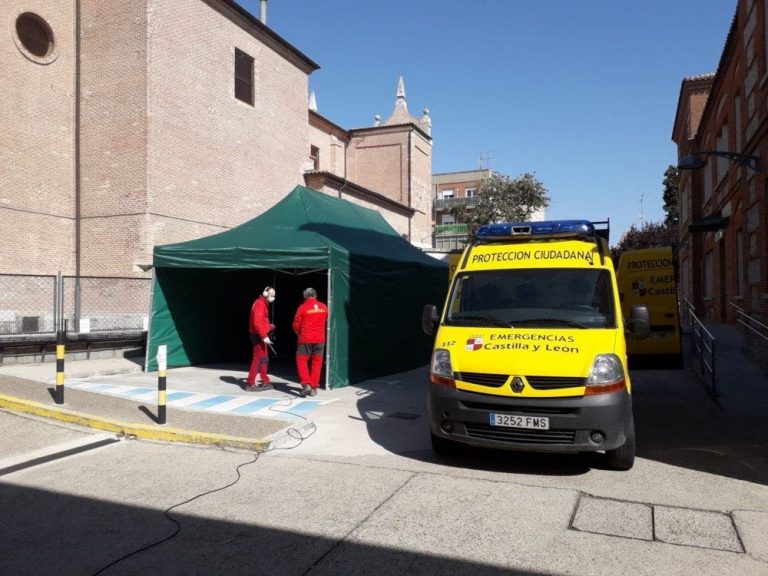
(302, 230)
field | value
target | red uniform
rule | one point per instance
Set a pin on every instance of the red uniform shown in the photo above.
(309, 325)
(259, 327)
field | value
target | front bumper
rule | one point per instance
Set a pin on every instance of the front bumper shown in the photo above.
(464, 417)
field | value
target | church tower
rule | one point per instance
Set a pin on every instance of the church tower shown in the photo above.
(394, 158)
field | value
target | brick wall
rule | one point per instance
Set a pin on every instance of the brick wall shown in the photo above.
(736, 99)
(36, 144)
(114, 144)
(395, 161)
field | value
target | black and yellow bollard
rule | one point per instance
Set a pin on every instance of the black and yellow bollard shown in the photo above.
(59, 395)
(161, 369)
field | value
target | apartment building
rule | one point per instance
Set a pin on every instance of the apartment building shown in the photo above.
(721, 132)
(457, 188)
(450, 189)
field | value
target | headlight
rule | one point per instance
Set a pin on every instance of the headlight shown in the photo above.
(606, 375)
(440, 369)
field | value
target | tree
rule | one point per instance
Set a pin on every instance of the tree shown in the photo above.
(671, 181)
(651, 235)
(503, 199)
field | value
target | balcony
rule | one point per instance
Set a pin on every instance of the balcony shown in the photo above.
(449, 229)
(449, 236)
(445, 203)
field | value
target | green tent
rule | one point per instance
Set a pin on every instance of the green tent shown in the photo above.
(375, 282)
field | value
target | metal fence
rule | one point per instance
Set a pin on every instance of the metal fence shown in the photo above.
(32, 305)
(754, 337)
(702, 347)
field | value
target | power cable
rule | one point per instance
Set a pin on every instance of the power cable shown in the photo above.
(291, 432)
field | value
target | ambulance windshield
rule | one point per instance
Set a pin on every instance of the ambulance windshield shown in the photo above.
(544, 297)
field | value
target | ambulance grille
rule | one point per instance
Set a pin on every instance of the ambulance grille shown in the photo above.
(555, 382)
(519, 435)
(517, 409)
(482, 379)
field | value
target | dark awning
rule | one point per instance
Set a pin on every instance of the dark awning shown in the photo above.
(714, 221)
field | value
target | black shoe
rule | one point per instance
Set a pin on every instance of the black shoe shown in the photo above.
(262, 387)
(305, 388)
(313, 392)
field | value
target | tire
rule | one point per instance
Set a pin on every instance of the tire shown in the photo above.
(623, 457)
(443, 447)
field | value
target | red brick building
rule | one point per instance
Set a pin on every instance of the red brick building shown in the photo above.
(723, 204)
(131, 124)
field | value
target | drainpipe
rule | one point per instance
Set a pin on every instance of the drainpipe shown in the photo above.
(410, 143)
(346, 146)
(264, 12)
(77, 151)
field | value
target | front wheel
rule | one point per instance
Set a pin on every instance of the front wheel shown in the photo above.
(443, 447)
(623, 457)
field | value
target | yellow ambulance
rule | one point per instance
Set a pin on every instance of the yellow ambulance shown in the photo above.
(647, 276)
(530, 349)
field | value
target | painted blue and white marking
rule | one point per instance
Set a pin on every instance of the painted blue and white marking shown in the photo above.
(264, 405)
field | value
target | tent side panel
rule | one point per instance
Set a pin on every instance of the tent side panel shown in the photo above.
(382, 313)
(163, 328)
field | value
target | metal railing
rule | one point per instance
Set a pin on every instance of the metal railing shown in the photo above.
(754, 337)
(450, 229)
(702, 347)
(445, 203)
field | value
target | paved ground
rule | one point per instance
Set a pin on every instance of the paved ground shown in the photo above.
(695, 502)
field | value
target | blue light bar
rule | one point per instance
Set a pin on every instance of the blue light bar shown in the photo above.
(550, 228)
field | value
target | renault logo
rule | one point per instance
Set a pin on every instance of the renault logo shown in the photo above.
(517, 384)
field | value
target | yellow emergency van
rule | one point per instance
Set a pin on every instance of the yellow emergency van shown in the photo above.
(454, 257)
(530, 349)
(648, 276)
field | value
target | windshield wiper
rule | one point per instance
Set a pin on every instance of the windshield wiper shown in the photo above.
(490, 319)
(561, 321)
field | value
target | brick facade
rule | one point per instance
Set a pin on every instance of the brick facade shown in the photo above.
(37, 176)
(141, 141)
(391, 159)
(723, 207)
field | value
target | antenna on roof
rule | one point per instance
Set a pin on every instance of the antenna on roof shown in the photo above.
(484, 161)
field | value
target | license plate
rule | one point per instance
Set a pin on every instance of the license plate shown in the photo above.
(530, 422)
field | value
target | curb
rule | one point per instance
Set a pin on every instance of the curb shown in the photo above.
(146, 432)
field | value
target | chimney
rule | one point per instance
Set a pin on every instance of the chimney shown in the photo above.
(264, 12)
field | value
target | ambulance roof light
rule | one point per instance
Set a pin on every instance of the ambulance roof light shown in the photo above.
(548, 228)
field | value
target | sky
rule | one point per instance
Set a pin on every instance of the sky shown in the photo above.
(582, 93)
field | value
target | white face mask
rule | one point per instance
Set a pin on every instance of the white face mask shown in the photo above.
(270, 299)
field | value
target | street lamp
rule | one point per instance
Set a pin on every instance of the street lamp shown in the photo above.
(696, 160)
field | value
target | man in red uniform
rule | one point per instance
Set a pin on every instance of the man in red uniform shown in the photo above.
(260, 327)
(309, 325)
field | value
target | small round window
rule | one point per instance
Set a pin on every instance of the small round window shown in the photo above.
(35, 37)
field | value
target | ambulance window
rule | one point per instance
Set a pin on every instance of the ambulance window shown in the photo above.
(567, 297)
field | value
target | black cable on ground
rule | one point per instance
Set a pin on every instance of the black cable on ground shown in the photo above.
(291, 432)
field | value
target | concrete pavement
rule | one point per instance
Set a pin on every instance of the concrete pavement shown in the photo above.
(700, 481)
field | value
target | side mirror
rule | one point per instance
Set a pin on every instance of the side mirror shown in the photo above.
(429, 319)
(639, 322)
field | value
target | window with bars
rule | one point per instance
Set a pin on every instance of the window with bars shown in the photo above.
(243, 77)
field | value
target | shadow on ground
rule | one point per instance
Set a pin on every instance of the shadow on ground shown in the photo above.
(54, 533)
(676, 421)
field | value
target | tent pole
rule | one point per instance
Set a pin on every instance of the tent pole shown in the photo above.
(149, 321)
(328, 333)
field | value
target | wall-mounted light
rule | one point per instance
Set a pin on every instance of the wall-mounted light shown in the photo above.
(696, 160)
